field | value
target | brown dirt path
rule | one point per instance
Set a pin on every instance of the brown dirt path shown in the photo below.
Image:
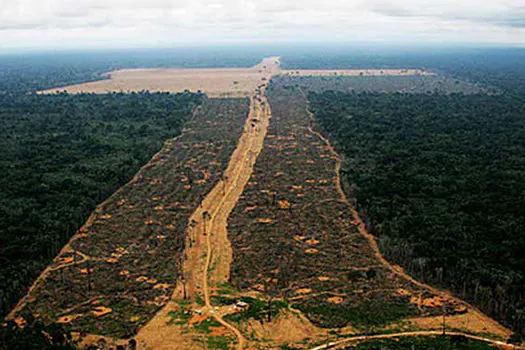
(339, 343)
(209, 255)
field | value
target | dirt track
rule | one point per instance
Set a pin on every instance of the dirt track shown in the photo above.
(337, 344)
(221, 201)
(209, 257)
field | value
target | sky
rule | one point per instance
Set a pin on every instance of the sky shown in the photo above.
(62, 24)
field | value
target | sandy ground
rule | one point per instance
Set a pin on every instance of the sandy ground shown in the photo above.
(353, 72)
(215, 82)
(473, 322)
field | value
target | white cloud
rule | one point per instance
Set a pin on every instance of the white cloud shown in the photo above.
(113, 23)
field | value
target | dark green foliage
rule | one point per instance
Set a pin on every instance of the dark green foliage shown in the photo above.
(63, 154)
(34, 336)
(258, 309)
(440, 179)
(363, 315)
(222, 300)
(40, 71)
(218, 342)
(422, 343)
(205, 326)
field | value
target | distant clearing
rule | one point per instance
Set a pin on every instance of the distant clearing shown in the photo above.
(215, 82)
(354, 72)
(383, 83)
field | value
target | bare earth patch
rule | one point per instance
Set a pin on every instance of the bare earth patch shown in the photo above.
(215, 82)
(354, 72)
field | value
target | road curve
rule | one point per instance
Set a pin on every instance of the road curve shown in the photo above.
(336, 344)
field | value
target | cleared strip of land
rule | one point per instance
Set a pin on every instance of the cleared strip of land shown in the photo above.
(353, 72)
(296, 238)
(215, 82)
(209, 255)
(123, 264)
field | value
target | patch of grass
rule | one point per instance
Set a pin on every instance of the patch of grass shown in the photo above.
(258, 309)
(363, 315)
(180, 316)
(199, 300)
(218, 342)
(225, 288)
(222, 300)
(204, 326)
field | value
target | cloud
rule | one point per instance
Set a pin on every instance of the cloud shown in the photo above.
(502, 13)
(94, 22)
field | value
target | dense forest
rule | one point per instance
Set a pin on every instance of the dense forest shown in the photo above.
(63, 154)
(440, 180)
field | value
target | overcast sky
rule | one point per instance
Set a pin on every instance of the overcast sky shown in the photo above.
(165, 23)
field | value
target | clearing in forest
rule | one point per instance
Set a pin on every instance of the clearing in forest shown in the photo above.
(123, 265)
(215, 82)
(236, 234)
(353, 72)
(208, 256)
(297, 239)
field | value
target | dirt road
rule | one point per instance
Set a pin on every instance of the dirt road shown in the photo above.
(339, 343)
(213, 226)
(209, 255)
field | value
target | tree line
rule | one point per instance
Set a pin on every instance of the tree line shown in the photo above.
(62, 155)
(439, 179)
